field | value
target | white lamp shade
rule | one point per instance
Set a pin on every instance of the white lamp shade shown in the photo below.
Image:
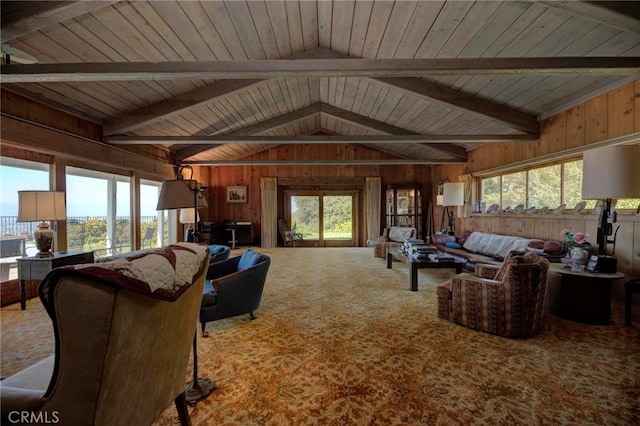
(439, 199)
(611, 172)
(41, 205)
(188, 216)
(453, 194)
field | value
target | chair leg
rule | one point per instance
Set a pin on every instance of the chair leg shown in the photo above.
(251, 315)
(205, 333)
(183, 410)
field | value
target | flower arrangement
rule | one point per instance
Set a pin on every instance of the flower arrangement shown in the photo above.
(579, 239)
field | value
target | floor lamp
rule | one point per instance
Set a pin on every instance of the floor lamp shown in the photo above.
(181, 193)
(610, 173)
(452, 196)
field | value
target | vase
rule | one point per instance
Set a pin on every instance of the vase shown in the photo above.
(579, 257)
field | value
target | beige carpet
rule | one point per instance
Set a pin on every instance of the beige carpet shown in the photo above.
(341, 340)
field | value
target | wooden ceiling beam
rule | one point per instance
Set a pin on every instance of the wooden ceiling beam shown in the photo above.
(255, 129)
(379, 139)
(35, 16)
(436, 93)
(155, 112)
(345, 67)
(373, 162)
(369, 123)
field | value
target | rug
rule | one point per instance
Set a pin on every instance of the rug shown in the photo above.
(341, 340)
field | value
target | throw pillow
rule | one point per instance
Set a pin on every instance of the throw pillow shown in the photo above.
(249, 258)
(453, 244)
(464, 236)
(553, 247)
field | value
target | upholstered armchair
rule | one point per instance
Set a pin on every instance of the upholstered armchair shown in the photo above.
(392, 237)
(506, 300)
(234, 287)
(123, 332)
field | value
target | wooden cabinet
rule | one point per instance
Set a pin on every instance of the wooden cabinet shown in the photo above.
(403, 207)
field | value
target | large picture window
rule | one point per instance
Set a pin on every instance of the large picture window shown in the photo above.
(102, 221)
(548, 186)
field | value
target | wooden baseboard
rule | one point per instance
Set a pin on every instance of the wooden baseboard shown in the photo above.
(10, 291)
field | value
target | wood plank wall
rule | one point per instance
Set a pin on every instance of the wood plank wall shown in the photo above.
(303, 177)
(564, 135)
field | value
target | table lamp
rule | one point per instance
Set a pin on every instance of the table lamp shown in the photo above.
(186, 194)
(611, 172)
(189, 216)
(42, 206)
(452, 196)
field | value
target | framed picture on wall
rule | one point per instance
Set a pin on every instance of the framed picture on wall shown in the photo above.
(236, 194)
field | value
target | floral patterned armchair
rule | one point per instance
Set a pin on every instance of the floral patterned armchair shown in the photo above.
(506, 300)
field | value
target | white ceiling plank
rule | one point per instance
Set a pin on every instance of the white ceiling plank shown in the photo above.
(43, 14)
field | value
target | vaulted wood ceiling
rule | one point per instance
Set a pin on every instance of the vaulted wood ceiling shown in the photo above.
(216, 81)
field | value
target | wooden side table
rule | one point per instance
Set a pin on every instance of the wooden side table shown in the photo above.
(36, 268)
(581, 296)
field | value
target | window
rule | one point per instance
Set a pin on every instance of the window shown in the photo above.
(548, 186)
(19, 175)
(542, 187)
(151, 218)
(514, 189)
(102, 221)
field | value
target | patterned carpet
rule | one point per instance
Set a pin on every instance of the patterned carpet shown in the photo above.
(341, 340)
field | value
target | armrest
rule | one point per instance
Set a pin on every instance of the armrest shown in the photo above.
(484, 270)
(223, 268)
(463, 280)
(382, 239)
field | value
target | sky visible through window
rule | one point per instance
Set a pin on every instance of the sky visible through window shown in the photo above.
(86, 196)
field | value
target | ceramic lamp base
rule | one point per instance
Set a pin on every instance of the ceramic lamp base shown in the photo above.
(43, 237)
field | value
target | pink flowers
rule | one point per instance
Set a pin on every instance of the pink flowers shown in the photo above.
(579, 239)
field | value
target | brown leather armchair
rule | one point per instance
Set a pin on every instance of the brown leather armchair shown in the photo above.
(507, 300)
(123, 333)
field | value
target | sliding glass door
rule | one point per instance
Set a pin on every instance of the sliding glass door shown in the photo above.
(325, 218)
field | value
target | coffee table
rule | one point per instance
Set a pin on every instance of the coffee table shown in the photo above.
(398, 254)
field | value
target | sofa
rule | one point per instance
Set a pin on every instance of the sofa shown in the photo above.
(393, 236)
(123, 331)
(485, 248)
(507, 300)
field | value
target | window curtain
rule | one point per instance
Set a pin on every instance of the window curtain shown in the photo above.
(269, 217)
(373, 205)
(468, 186)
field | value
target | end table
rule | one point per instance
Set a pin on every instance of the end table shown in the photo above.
(36, 268)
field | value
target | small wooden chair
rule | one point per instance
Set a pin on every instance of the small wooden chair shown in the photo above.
(292, 239)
